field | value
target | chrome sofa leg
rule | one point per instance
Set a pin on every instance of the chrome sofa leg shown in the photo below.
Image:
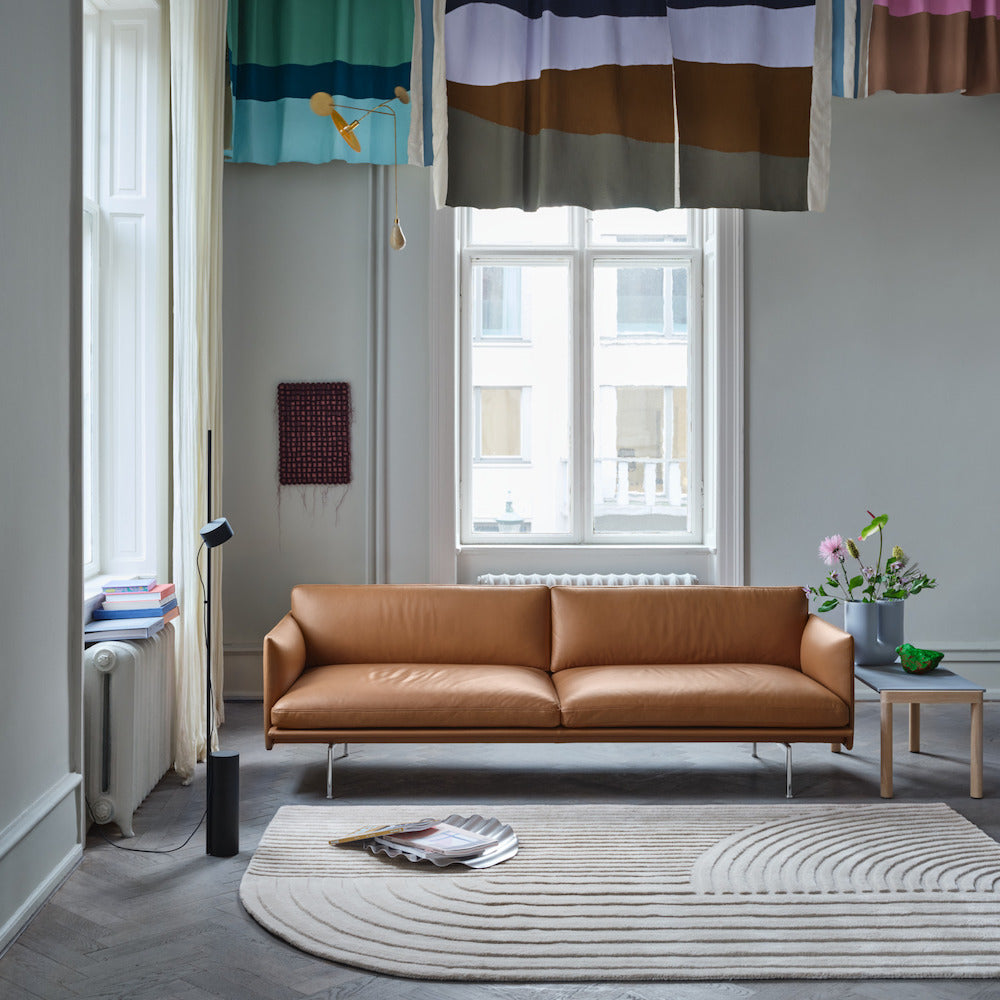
(788, 770)
(329, 771)
(753, 752)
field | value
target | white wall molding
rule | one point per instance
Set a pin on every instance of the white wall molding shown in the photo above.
(723, 404)
(22, 917)
(378, 326)
(443, 315)
(22, 825)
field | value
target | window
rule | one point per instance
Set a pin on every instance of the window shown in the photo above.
(587, 315)
(125, 367)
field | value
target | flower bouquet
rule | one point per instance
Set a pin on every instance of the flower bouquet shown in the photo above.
(895, 581)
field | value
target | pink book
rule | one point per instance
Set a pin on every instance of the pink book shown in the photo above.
(148, 599)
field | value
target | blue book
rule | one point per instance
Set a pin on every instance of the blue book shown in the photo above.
(122, 628)
(144, 613)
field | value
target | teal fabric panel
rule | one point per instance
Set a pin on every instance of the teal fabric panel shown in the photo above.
(274, 32)
(270, 132)
(281, 52)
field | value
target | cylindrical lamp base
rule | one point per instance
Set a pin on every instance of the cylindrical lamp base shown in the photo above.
(222, 831)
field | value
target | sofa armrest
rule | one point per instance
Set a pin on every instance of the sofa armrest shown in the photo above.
(284, 661)
(827, 656)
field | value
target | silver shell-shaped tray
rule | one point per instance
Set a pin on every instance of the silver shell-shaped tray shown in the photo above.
(506, 846)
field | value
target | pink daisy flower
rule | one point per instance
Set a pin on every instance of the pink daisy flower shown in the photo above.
(832, 549)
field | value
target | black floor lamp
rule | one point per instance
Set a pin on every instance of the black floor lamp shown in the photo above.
(222, 795)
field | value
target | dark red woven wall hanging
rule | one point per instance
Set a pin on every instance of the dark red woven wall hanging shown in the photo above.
(314, 433)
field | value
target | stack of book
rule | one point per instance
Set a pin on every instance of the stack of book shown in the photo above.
(134, 608)
(427, 839)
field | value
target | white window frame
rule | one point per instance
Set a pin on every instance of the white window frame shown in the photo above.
(718, 557)
(125, 192)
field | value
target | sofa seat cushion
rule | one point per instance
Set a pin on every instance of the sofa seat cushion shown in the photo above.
(418, 695)
(703, 694)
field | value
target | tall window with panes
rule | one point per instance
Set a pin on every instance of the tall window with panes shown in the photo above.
(581, 377)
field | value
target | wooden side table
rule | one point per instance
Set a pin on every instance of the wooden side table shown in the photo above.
(941, 686)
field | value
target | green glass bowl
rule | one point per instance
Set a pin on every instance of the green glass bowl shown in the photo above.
(918, 661)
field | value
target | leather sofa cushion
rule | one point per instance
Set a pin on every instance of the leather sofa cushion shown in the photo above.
(423, 624)
(713, 695)
(655, 625)
(418, 695)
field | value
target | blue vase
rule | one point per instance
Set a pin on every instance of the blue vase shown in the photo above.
(877, 628)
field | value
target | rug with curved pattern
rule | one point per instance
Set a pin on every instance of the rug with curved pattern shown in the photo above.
(617, 892)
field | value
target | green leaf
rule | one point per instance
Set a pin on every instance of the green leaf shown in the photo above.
(877, 525)
(828, 605)
(855, 581)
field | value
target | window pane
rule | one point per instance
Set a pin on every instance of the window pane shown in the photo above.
(640, 225)
(500, 423)
(640, 302)
(498, 294)
(520, 427)
(640, 397)
(512, 227)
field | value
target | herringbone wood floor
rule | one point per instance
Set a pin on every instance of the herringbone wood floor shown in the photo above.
(152, 927)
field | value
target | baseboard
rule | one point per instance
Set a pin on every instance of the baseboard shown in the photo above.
(34, 860)
(23, 916)
(243, 675)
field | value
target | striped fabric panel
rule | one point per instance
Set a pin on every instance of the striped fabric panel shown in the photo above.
(558, 102)
(935, 46)
(281, 52)
(744, 97)
(848, 46)
(572, 102)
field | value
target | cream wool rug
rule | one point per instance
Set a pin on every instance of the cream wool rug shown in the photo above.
(618, 892)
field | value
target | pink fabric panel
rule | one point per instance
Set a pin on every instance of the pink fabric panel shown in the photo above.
(975, 8)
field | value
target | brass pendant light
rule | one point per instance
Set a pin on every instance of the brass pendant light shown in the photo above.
(323, 104)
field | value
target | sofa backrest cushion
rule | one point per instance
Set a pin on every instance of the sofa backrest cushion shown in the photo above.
(417, 623)
(639, 625)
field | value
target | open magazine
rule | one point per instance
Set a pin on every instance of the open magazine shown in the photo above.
(427, 838)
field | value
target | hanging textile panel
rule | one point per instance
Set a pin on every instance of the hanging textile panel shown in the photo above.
(743, 76)
(850, 23)
(314, 433)
(572, 102)
(281, 52)
(559, 102)
(935, 46)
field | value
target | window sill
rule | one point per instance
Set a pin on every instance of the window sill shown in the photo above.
(605, 548)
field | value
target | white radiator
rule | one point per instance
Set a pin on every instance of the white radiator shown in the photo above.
(128, 693)
(589, 579)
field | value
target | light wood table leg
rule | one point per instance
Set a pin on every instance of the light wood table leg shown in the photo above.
(976, 751)
(914, 727)
(886, 754)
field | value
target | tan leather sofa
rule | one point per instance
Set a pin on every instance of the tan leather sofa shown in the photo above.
(415, 664)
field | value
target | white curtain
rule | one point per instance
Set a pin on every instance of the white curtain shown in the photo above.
(197, 101)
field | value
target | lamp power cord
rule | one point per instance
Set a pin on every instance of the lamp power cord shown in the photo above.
(143, 850)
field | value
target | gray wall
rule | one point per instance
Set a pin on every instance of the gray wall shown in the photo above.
(40, 586)
(871, 363)
(298, 306)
